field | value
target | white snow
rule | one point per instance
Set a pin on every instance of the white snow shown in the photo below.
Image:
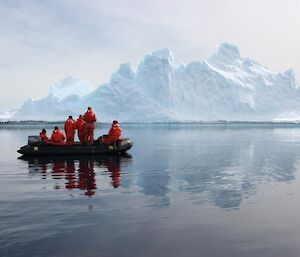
(226, 86)
(70, 86)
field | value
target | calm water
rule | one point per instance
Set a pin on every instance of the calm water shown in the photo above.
(184, 190)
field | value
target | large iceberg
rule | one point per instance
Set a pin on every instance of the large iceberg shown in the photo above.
(226, 86)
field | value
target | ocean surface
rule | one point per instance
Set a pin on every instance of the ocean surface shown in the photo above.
(183, 190)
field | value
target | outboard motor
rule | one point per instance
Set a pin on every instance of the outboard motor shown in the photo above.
(34, 140)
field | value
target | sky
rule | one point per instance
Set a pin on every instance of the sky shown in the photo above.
(42, 41)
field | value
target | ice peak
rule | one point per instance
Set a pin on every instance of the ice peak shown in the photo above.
(70, 85)
(230, 51)
(69, 79)
(124, 72)
(289, 73)
(227, 55)
(164, 53)
(64, 82)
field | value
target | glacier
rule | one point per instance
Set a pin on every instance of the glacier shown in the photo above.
(225, 87)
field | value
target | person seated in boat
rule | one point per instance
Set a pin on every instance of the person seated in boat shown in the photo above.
(58, 137)
(43, 136)
(114, 133)
(80, 125)
(70, 130)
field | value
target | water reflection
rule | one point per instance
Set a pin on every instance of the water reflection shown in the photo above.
(166, 194)
(78, 172)
(228, 167)
(220, 167)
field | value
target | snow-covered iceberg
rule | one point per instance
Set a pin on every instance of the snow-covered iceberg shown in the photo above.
(226, 86)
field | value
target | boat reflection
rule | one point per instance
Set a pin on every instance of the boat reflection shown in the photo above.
(79, 172)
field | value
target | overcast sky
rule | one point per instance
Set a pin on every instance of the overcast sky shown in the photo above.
(43, 41)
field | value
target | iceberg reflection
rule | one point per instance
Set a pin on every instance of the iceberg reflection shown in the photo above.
(216, 165)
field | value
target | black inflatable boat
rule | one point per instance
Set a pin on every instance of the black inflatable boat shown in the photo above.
(35, 147)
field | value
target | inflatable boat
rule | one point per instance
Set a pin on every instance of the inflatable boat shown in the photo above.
(36, 147)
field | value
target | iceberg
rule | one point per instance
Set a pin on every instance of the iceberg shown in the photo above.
(225, 86)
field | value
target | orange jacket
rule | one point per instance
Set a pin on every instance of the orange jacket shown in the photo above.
(70, 125)
(80, 124)
(114, 133)
(43, 136)
(89, 117)
(58, 137)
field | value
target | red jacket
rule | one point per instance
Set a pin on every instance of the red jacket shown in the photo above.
(114, 133)
(43, 136)
(80, 124)
(70, 125)
(89, 117)
(58, 137)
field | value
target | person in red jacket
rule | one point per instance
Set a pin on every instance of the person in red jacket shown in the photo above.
(86, 177)
(70, 176)
(90, 118)
(58, 137)
(43, 136)
(70, 130)
(113, 166)
(81, 128)
(114, 133)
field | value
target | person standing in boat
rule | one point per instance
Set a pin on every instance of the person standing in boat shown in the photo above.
(81, 129)
(43, 136)
(70, 130)
(114, 133)
(90, 118)
(58, 137)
